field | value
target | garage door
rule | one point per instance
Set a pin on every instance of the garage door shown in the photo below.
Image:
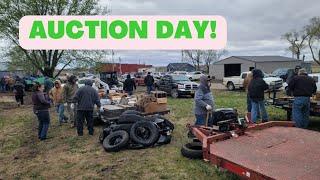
(232, 70)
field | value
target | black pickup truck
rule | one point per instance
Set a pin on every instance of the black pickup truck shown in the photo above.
(177, 85)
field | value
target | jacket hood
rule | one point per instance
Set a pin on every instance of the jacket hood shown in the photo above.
(204, 84)
(88, 82)
(57, 81)
(257, 73)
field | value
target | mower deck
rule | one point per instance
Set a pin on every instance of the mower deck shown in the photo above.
(272, 150)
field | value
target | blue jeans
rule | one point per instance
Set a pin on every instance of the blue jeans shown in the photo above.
(149, 89)
(60, 111)
(301, 111)
(201, 119)
(84, 115)
(258, 107)
(44, 121)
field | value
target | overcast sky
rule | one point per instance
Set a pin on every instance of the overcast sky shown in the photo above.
(254, 26)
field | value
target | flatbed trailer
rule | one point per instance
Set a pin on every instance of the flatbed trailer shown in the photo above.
(286, 102)
(272, 150)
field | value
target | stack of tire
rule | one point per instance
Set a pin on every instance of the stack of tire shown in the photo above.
(134, 131)
(192, 150)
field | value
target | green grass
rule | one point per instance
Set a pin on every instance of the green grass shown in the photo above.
(66, 156)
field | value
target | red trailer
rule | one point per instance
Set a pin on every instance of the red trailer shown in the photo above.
(272, 150)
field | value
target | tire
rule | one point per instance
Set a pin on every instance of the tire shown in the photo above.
(145, 133)
(230, 86)
(116, 141)
(101, 137)
(132, 112)
(164, 140)
(174, 93)
(130, 118)
(192, 150)
(124, 127)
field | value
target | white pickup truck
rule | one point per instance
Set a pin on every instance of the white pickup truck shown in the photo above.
(236, 82)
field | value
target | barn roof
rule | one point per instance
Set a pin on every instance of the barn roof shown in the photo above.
(264, 58)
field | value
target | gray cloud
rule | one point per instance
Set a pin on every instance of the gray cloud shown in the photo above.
(254, 27)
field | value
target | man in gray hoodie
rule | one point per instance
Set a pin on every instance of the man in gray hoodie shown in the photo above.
(203, 101)
(86, 97)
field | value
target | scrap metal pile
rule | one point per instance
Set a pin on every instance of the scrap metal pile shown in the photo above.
(133, 130)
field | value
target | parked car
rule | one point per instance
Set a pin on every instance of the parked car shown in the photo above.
(236, 82)
(281, 73)
(180, 73)
(194, 76)
(177, 85)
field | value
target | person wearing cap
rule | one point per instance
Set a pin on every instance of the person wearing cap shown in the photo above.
(302, 87)
(256, 90)
(86, 97)
(69, 91)
(290, 76)
(55, 95)
(129, 85)
(149, 81)
(203, 101)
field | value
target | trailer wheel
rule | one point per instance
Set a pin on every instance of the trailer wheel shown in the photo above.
(192, 150)
(145, 133)
(116, 141)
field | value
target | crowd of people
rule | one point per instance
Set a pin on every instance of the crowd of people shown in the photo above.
(300, 86)
(79, 102)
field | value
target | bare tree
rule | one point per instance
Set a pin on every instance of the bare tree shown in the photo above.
(211, 56)
(194, 57)
(313, 32)
(297, 41)
(46, 61)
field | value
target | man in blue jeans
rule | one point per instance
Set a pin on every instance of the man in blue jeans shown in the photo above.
(86, 97)
(149, 81)
(256, 90)
(302, 87)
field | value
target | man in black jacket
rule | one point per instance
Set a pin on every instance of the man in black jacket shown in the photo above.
(256, 90)
(19, 90)
(148, 81)
(129, 85)
(302, 87)
(86, 97)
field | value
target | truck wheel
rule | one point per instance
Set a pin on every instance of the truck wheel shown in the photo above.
(145, 133)
(116, 141)
(174, 93)
(230, 86)
(192, 150)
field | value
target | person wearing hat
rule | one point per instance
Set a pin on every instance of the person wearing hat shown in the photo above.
(302, 87)
(86, 97)
(69, 91)
(290, 76)
(55, 95)
(256, 90)
(203, 101)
